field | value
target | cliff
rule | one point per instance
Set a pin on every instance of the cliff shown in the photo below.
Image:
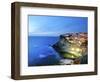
(72, 45)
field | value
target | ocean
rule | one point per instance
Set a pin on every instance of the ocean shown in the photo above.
(41, 52)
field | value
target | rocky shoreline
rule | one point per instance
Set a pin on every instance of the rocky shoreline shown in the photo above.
(73, 46)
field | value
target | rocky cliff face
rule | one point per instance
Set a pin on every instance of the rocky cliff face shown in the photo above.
(72, 45)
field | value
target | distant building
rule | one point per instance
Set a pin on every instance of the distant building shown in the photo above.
(72, 45)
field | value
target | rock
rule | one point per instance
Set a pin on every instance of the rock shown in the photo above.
(72, 45)
(66, 61)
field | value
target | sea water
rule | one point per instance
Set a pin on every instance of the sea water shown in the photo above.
(41, 52)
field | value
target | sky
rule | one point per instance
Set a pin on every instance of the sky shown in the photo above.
(55, 25)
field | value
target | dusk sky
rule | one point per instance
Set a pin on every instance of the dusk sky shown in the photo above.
(56, 25)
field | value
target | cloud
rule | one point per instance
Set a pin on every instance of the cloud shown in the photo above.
(44, 33)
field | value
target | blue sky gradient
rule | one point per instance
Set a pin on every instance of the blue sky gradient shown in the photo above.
(56, 25)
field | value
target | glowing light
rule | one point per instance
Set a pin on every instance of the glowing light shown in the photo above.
(77, 49)
(72, 49)
(72, 56)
